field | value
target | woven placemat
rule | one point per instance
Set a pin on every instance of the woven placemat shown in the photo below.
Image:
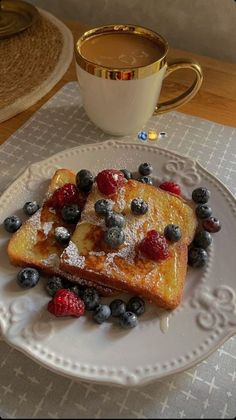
(32, 62)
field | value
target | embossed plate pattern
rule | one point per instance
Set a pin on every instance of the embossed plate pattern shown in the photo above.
(82, 350)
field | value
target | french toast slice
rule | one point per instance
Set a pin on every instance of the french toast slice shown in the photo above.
(34, 243)
(125, 268)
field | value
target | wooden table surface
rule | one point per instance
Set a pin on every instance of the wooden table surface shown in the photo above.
(215, 101)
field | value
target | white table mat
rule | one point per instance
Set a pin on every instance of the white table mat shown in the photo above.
(28, 390)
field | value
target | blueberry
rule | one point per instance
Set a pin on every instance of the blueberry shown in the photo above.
(145, 179)
(27, 277)
(139, 206)
(145, 168)
(84, 180)
(203, 211)
(172, 232)
(71, 213)
(202, 239)
(115, 220)
(103, 206)
(102, 313)
(211, 224)
(114, 237)
(128, 320)
(90, 297)
(136, 305)
(201, 195)
(30, 207)
(12, 224)
(53, 285)
(62, 235)
(197, 257)
(127, 174)
(118, 307)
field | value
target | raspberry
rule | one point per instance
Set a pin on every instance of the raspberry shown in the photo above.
(171, 187)
(154, 246)
(68, 194)
(109, 181)
(66, 303)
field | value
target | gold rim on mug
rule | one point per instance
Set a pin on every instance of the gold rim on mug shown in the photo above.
(141, 72)
(124, 73)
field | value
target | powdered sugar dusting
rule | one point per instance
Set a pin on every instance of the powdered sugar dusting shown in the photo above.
(52, 261)
(115, 177)
(36, 223)
(89, 215)
(72, 256)
(47, 227)
(121, 200)
(35, 219)
(133, 232)
(97, 254)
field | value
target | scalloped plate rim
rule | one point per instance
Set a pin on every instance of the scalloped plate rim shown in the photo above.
(125, 383)
(122, 381)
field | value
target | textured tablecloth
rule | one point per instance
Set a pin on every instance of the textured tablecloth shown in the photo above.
(28, 390)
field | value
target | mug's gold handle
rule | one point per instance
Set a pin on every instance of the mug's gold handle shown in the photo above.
(189, 93)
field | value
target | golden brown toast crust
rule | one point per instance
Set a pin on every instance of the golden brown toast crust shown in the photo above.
(34, 243)
(125, 268)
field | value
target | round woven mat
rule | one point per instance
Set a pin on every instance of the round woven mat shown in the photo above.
(32, 62)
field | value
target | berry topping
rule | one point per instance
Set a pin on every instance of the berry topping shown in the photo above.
(128, 320)
(103, 206)
(63, 196)
(136, 305)
(76, 289)
(139, 206)
(197, 257)
(90, 297)
(66, 303)
(201, 195)
(145, 179)
(202, 239)
(84, 180)
(12, 224)
(203, 211)
(27, 277)
(172, 233)
(145, 168)
(114, 237)
(171, 187)
(102, 313)
(127, 174)
(71, 213)
(118, 307)
(62, 235)
(30, 207)
(212, 224)
(53, 285)
(109, 181)
(154, 246)
(115, 220)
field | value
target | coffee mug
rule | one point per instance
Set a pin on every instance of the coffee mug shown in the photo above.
(120, 70)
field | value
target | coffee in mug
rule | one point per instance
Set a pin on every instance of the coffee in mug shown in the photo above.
(120, 70)
(119, 50)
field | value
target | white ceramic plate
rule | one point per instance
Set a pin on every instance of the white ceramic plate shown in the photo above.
(80, 348)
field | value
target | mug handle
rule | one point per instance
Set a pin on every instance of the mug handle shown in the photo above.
(189, 93)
